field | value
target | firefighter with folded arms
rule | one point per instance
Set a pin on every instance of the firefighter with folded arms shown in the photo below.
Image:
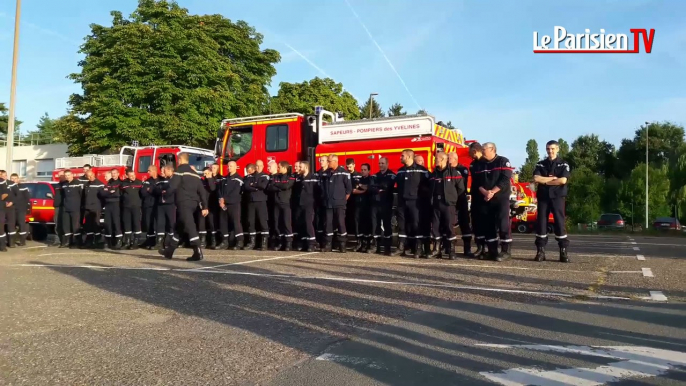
(150, 209)
(336, 190)
(166, 206)
(92, 205)
(304, 193)
(477, 204)
(131, 209)
(447, 184)
(111, 196)
(411, 178)
(382, 186)
(254, 185)
(551, 175)
(71, 194)
(189, 195)
(230, 195)
(495, 189)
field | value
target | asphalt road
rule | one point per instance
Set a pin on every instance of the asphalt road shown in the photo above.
(616, 313)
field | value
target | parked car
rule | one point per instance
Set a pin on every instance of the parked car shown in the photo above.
(611, 221)
(41, 218)
(667, 223)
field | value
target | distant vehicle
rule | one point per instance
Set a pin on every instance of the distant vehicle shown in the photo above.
(611, 221)
(42, 215)
(667, 223)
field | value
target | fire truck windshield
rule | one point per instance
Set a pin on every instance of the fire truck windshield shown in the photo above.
(239, 143)
(200, 161)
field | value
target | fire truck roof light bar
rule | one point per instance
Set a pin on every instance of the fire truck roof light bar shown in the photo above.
(261, 118)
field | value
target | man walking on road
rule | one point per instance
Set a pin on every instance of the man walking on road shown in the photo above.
(551, 175)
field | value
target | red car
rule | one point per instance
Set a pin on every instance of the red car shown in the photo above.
(42, 213)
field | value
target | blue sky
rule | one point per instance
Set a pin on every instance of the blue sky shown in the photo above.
(469, 62)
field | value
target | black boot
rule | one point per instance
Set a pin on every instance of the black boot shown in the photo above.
(10, 240)
(540, 254)
(401, 247)
(481, 251)
(426, 248)
(211, 240)
(563, 255)
(223, 245)
(263, 242)
(159, 243)
(380, 245)
(360, 246)
(342, 244)
(135, 240)
(3, 245)
(65, 241)
(126, 241)
(468, 248)
(414, 247)
(251, 242)
(117, 243)
(437, 253)
(274, 243)
(100, 241)
(287, 245)
(88, 244)
(492, 253)
(203, 240)
(504, 253)
(197, 254)
(22, 240)
(167, 252)
(450, 251)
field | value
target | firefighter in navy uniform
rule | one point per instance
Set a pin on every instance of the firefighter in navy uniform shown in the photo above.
(231, 192)
(476, 170)
(57, 203)
(21, 205)
(363, 210)
(462, 206)
(425, 212)
(352, 220)
(254, 185)
(150, 208)
(411, 178)
(11, 213)
(551, 175)
(131, 209)
(166, 206)
(111, 196)
(189, 194)
(282, 184)
(322, 175)
(92, 205)
(4, 193)
(335, 193)
(381, 197)
(447, 184)
(72, 192)
(219, 216)
(495, 189)
(305, 195)
(206, 223)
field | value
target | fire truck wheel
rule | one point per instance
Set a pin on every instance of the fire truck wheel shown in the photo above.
(522, 228)
(39, 232)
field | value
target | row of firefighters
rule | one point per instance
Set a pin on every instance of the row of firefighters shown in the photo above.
(275, 208)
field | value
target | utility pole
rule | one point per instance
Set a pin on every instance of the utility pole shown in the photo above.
(647, 125)
(370, 104)
(13, 90)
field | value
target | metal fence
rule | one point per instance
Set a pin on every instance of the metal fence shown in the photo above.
(28, 140)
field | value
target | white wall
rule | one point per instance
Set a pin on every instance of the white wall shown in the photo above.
(38, 158)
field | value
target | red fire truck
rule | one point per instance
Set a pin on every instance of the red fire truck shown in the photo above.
(293, 137)
(137, 158)
(524, 216)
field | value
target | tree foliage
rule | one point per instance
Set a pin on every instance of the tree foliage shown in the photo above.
(303, 97)
(632, 191)
(564, 149)
(45, 127)
(395, 110)
(165, 76)
(588, 151)
(526, 173)
(377, 111)
(585, 192)
(4, 120)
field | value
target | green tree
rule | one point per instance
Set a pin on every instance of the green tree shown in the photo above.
(450, 125)
(526, 173)
(303, 97)
(395, 110)
(45, 129)
(584, 196)
(564, 149)
(664, 141)
(632, 194)
(4, 121)
(422, 112)
(165, 76)
(377, 111)
(588, 151)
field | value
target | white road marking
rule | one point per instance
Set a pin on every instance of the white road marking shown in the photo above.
(637, 249)
(640, 257)
(92, 266)
(630, 239)
(647, 272)
(349, 360)
(633, 242)
(657, 296)
(249, 262)
(625, 271)
(634, 361)
(37, 246)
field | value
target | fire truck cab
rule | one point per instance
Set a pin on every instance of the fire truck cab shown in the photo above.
(134, 157)
(296, 137)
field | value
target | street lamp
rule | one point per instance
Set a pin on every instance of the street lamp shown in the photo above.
(13, 89)
(370, 103)
(647, 124)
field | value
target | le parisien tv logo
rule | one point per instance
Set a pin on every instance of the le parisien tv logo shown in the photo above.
(593, 43)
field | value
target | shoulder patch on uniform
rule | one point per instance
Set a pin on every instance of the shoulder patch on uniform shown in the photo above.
(508, 164)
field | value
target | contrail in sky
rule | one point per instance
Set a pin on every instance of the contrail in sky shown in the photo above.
(382, 52)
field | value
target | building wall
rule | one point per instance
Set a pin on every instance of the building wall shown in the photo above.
(33, 163)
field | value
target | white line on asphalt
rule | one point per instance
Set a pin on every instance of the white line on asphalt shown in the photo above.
(630, 239)
(637, 249)
(633, 242)
(249, 262)
(657, 296)
(350, 360)
(37, 246)
(640, 257)
(647, 272)
(91, 266)
(625, 271)
(630, 361)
